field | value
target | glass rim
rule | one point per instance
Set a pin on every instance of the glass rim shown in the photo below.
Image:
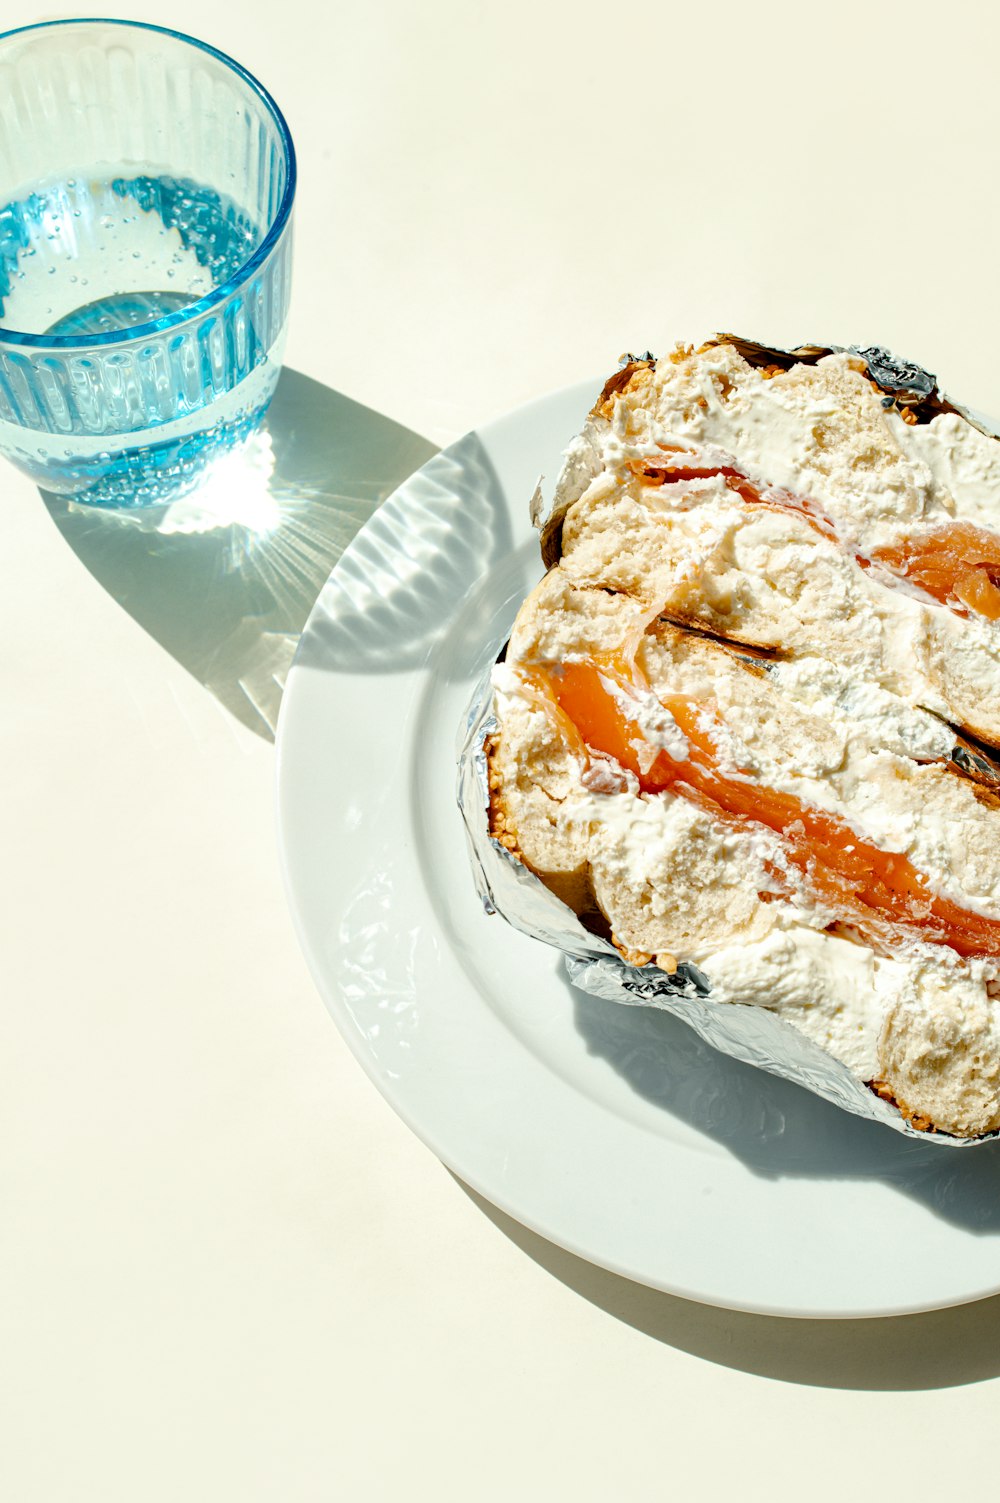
(21, 339)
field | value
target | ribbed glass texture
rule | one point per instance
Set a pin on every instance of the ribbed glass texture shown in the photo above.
(146, 185)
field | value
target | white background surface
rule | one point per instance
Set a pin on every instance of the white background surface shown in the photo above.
(226, 1270)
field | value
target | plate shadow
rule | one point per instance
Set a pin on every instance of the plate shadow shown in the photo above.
(225, 577)
(778, 1129)
(939, 1349)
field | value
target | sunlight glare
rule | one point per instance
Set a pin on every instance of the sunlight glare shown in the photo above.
(235, 491)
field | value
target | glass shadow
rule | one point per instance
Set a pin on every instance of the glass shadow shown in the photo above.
(225, 577)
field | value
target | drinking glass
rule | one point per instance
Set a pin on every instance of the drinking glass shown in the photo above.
(146, 187)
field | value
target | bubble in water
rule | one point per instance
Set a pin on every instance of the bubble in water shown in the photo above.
(52, 271)
(137, 255)
(73, 278)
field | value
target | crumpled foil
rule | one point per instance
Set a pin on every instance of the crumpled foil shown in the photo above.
(754, 1035)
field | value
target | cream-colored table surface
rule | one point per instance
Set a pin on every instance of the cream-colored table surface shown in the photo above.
(226, 1270)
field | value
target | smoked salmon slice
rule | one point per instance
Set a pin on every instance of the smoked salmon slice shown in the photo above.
(598, 702)
(957, 564)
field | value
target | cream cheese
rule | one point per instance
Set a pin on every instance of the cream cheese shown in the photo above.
(849, 717)
(657, 727)
(635, 838)
(836, 992)
(963, 466)
(783, 432)
(833, 991)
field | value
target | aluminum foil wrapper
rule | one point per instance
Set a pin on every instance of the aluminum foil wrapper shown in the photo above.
(754, 1035)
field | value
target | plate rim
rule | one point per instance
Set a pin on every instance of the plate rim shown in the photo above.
(341, 1016)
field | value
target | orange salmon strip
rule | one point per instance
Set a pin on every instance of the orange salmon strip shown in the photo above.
(878, 892)
(958, 564)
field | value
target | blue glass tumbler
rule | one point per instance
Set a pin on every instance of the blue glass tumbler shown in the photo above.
(146, 188)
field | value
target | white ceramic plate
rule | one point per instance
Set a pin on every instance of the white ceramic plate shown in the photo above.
(612, 1131)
